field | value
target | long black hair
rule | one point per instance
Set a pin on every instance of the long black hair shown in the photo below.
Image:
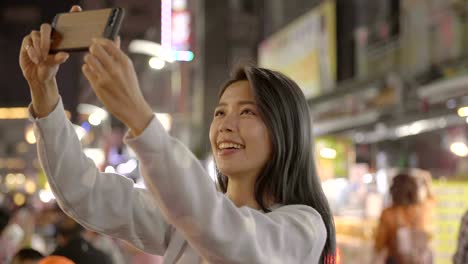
(289, 177)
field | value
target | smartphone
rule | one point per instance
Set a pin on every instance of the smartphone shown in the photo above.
(75, 31)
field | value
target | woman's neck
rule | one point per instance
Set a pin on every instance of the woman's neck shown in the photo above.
(241, 192)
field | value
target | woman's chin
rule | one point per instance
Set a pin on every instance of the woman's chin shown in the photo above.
(229, 170)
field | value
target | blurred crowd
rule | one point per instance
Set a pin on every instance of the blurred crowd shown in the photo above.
(48, 236)
(30, 235)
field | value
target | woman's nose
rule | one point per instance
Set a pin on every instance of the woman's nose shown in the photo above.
(228, 124)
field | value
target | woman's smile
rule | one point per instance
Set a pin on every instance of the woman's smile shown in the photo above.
(228, 148)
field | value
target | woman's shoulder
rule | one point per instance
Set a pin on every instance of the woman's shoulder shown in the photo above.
(294, 208)
(391, 211)
(402, 210)
(300, 214)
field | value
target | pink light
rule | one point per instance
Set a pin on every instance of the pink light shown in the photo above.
(180, 30)
(166, 23)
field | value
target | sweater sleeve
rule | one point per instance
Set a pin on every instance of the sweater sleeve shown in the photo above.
(219, 231)
(104, 202)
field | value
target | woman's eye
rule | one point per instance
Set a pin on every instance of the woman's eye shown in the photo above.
(248, 112)
(218, 113)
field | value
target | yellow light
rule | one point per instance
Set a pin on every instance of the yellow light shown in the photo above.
(156, 63)
(152, 49)
(14, 113)
(165, 119)
(463, 111)
(29, 135)
(327, 153)
(94, 119)
(46, 196)
(96, 154)
(10, 179)
(19, 199)
(459, 148)
(20, 179)
(30, 187)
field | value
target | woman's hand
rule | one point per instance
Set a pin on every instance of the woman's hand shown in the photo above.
(113, 79)
(39, 68)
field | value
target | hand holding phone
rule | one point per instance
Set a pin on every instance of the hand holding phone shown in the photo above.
(75, 31)
(113, 78)
(39, 67)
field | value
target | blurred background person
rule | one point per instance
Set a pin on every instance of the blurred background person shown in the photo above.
(403, 232)
(106, 244)
(45, 228)
(25, 219)
(71, 244)
(7, 248)
(27, 256)
(461, 255)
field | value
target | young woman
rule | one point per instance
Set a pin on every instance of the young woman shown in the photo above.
(271, 208)
(408, 214)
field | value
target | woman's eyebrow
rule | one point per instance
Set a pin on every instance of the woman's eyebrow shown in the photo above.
(245, 102)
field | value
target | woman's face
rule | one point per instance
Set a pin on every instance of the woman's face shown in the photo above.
(239, 139)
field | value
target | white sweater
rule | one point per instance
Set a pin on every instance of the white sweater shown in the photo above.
(181, 215)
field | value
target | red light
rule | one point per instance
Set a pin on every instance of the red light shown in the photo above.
(338, 255)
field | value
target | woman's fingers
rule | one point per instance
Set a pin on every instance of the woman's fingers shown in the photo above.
(95, 65)
(111, 49)
(36, 43)
(25, 44)
(104, 58)
(45, 32)
(33, 55)
(89, 74)
(117, 42)
(60, 57)
(27, 50)
(75, 8)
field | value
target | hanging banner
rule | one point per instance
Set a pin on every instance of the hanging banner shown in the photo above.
(452, 202)
(305, 50)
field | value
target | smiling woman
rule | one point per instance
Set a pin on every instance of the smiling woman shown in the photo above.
(240, 141)
(271, 208)
(268, 114)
